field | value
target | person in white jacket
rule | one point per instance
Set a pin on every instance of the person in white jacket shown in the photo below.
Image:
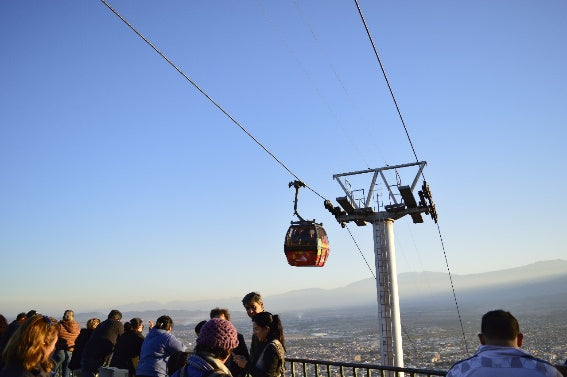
(500, 353)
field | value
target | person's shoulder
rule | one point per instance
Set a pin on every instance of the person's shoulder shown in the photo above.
(550, 369)
(461, 366)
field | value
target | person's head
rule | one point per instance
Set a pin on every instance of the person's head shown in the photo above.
(21, 317)
(92, 323)
(136, 324)
(164, 323)
(220, 313)
(500, 328)
(3, 323)
(217, 337)
(199, 326)
(176, 361)
(31, 313)
(115, 314)
(253, 304)
(31, 346)
(268, 327)
(68, 315)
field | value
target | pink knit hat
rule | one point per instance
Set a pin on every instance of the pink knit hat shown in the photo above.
(218, 333)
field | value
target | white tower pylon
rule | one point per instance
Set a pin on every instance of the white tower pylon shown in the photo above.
(401, 204)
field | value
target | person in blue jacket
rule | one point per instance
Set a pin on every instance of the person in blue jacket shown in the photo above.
(158, 345)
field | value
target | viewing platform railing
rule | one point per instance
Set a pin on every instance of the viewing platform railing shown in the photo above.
(321, 368)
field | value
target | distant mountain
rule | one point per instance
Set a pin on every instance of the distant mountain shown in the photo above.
(541, 284)
(541, 279)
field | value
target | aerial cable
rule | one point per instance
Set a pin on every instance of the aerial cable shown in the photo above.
(416, 158)
(208, 97)
(220, 108)
(386, 78)
(360, 251)
(453, 289)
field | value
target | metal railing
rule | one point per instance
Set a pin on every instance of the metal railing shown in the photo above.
(320, 368)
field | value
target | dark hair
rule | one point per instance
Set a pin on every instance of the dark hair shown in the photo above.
(115, 314)
(31, 313)
(135, 323)
(164, 323)
(266, 319)
(217, 312)
(21, 316)
(176, 361)
(499, 324)
(198, 327)
(252, 297)
(3, 324)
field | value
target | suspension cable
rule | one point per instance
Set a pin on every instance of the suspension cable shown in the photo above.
(360, 251)
(415, 155)
(453, 288)
(386, 78)
(208, 97)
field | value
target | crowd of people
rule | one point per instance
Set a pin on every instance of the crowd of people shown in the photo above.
(35, 345)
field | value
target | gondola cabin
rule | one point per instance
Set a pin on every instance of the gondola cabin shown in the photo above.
(306, 244)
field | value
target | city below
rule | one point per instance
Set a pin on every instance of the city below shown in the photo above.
(431, 339)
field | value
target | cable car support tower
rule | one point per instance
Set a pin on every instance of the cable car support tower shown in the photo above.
(360, 212)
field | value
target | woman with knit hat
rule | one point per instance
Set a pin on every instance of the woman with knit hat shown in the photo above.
(217, 339)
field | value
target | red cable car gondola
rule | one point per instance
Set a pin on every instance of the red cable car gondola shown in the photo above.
(306, 243)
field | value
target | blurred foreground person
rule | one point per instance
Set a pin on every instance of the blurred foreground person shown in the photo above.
(217, 339)
(500, 353)
(28, 352)
(8, 332)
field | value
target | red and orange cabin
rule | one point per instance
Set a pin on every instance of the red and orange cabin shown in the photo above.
(306, 244)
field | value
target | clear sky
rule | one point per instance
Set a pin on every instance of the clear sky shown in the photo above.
(120, 182)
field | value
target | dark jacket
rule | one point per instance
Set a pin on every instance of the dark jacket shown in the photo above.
(202, 364)
(12, 370)
(80, 343)
(127, 352)
(101, 344)
(5, 337)
(270, 362)
(241, 350)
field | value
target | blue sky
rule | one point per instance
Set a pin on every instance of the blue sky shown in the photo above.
(122, 183)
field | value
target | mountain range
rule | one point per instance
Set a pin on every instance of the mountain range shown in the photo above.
(530, 287)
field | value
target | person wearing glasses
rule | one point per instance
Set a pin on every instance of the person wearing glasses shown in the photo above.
(28, 352)
(127, 351)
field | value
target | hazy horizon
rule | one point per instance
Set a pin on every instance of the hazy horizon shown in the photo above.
(412, 286)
